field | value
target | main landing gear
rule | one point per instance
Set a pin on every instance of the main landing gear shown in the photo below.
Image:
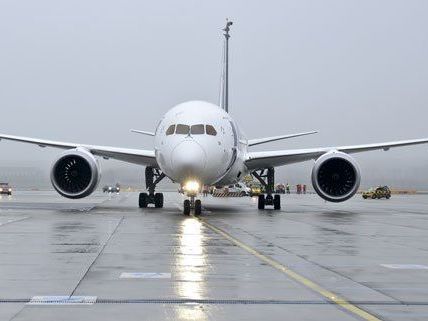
(267, 179)
(196, 205)
(153, 177)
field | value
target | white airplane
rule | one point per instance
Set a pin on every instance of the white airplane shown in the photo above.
(198, 143)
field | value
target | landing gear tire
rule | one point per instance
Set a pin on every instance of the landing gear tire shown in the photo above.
(143, 200)
(158, 200)
(261, 202)
(198, 207)
(186, 207)
(277, 202)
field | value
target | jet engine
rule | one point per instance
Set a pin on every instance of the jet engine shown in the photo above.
(75, 173)
(336, 176)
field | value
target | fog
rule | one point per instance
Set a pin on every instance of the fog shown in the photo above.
(88, 71)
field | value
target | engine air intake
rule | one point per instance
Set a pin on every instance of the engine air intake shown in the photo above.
(336, 177)
(75, 174)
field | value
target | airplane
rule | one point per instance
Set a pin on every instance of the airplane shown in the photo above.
(198, 143)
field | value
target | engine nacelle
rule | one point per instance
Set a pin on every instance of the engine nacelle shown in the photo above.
(336, 176)
(76, 173)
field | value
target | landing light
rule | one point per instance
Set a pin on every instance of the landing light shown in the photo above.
(191, 186)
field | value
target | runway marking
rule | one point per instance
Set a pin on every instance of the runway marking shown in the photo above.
(405, 266)
(144, 275)
(333, 297)
(62, 300)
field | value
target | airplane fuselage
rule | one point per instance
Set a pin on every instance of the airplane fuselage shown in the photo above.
(199, 141)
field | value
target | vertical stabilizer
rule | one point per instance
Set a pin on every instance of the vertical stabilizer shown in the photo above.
(224, 89)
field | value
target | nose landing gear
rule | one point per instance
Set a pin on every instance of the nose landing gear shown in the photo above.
(153, 177)
(196, 205)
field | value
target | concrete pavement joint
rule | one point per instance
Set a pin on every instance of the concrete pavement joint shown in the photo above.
(98, 255)
(230, 301)
(319, 265)
(330, 296)
(14, 220)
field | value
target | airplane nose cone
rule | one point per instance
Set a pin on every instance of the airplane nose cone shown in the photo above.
(188, 160)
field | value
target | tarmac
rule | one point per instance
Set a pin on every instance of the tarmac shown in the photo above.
(103, 258)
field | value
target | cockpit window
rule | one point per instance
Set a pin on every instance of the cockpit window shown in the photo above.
(182, 129)
(197, 129)
(170, 130)
(211, 130)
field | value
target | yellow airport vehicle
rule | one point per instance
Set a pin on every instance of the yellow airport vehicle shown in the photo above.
(255, 190)
(377, 193)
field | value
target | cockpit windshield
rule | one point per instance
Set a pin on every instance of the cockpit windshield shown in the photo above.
(197, 129)
(211, 130)
(170, 130)
(182, 129)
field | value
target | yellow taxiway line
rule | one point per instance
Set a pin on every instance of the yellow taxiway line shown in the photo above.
(343, 303)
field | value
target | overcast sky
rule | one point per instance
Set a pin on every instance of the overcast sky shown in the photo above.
(88, 71)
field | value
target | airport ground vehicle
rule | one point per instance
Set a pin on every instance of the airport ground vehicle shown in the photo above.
(379, 192)
(255, 190)
(240, 188)
(5, 188)
(198, 143)
(111, 189)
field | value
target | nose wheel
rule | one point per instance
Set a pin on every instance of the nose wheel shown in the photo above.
(196, 205)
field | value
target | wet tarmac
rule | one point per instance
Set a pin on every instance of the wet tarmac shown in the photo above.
(102, 258)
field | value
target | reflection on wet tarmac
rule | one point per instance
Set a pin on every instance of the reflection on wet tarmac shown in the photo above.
(336, 240)
(64, 238)
(190, 264)
(346, 249)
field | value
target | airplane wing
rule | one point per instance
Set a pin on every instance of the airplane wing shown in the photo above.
(143, 132)
(259, 160)
(258, 141)
(135, 156)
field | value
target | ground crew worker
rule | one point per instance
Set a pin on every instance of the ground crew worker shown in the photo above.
(205, 191)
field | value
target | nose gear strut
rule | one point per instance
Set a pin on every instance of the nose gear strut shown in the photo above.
(153, 177)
